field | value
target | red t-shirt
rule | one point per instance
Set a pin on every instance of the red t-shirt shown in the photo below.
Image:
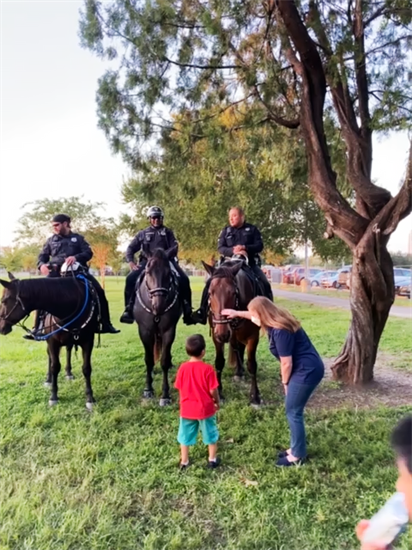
(195, 380)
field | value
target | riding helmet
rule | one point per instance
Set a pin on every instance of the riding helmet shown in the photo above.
(155, 212)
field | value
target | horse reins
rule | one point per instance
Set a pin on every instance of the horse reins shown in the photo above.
(19, 301)
(234, 323)
(158, 292)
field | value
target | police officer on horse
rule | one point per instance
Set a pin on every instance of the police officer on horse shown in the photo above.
(239, 239)
(146, 241)
(66, 247)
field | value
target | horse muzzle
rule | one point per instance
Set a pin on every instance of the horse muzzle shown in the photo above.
(5, 328)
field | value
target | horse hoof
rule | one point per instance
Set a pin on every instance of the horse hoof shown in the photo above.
(47, 384)
(165, 402)
(53, 402)
(148, 394)
(237, 379)
(69, 377)
(89, 406)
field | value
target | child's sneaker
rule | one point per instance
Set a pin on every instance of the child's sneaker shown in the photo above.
(212, 464)
(183, 466)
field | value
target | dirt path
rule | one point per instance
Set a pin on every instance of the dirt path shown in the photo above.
(331, 301)
(392, 387)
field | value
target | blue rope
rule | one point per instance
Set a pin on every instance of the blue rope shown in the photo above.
(86, 284)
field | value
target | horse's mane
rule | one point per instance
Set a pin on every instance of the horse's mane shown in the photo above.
(159, 254)
(223, 272)
(56, 289)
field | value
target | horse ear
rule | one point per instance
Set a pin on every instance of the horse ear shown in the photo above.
(236, 268)
(6, 284)
(209, 268)
(11, 276)
(146, 251)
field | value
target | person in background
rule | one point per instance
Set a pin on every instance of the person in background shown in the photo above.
(148, 240)
(402, 445)
(67, 247)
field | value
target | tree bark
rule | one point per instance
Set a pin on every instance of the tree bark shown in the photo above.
(372, 295)
(367, 229)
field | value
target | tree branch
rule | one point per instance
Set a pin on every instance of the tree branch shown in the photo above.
(400, 206)
(292, 124)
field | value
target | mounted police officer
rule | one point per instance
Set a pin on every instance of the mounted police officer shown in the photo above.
(239, 238)
(147, 240)
(66, 247)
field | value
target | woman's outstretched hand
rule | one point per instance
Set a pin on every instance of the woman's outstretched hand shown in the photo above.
(231, 313)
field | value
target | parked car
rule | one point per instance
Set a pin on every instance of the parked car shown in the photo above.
(287, 274)
(299, 273)
(343, 276)
(401, 277)
(401, 272)
(316, 279)
(405, 289)
(330, 281)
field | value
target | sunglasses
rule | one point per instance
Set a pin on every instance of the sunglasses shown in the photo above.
(56, 224)
(155, 217)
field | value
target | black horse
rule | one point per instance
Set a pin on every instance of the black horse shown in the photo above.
(73, 319)
(156, 310)
(231, 287)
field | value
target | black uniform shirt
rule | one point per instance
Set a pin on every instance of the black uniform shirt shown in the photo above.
(247, 235)
(151, 238)
(60, 247)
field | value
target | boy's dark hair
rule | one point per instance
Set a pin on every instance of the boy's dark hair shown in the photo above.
(195, 345)
(402, 441)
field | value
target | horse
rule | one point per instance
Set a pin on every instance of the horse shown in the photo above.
(230, 287)
(157, 309)
(73, 319)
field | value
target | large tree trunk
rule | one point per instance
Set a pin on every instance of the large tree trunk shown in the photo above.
(372, 295)
(366, 228)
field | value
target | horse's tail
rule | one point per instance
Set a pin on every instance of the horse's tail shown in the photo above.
(232, 356)
(157, 348)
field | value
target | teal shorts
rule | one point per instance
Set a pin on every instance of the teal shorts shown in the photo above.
(188, 430)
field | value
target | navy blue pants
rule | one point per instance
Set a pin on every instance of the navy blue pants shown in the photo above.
(297, 397)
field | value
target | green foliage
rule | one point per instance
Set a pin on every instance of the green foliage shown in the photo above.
(11, 258)
(262, 168)
(34, 225)
(191, 55)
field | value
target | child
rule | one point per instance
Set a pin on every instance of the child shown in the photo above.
(199, 400)
(402, 445)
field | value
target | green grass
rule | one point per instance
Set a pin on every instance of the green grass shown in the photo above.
(336, 293)
(108, 480)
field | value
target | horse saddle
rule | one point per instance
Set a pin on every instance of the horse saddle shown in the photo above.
(258, 288)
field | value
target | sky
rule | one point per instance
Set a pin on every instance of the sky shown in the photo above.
(50, 143)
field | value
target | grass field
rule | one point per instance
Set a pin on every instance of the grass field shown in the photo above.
(109, 481)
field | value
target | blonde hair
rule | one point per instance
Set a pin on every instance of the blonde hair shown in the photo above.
(271, 315)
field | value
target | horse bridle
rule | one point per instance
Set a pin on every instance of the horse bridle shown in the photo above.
(18, 301)
(159, 291)
(234, 323)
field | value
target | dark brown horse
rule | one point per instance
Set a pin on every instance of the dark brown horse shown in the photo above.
(231, 288)
(156, 310)
(72, 320)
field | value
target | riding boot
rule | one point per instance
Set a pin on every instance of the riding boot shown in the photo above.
(129, 294)
(200, 316)
(127, 315)
(188, 313)
(106, 324)
(268, 290)
(38, 327)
